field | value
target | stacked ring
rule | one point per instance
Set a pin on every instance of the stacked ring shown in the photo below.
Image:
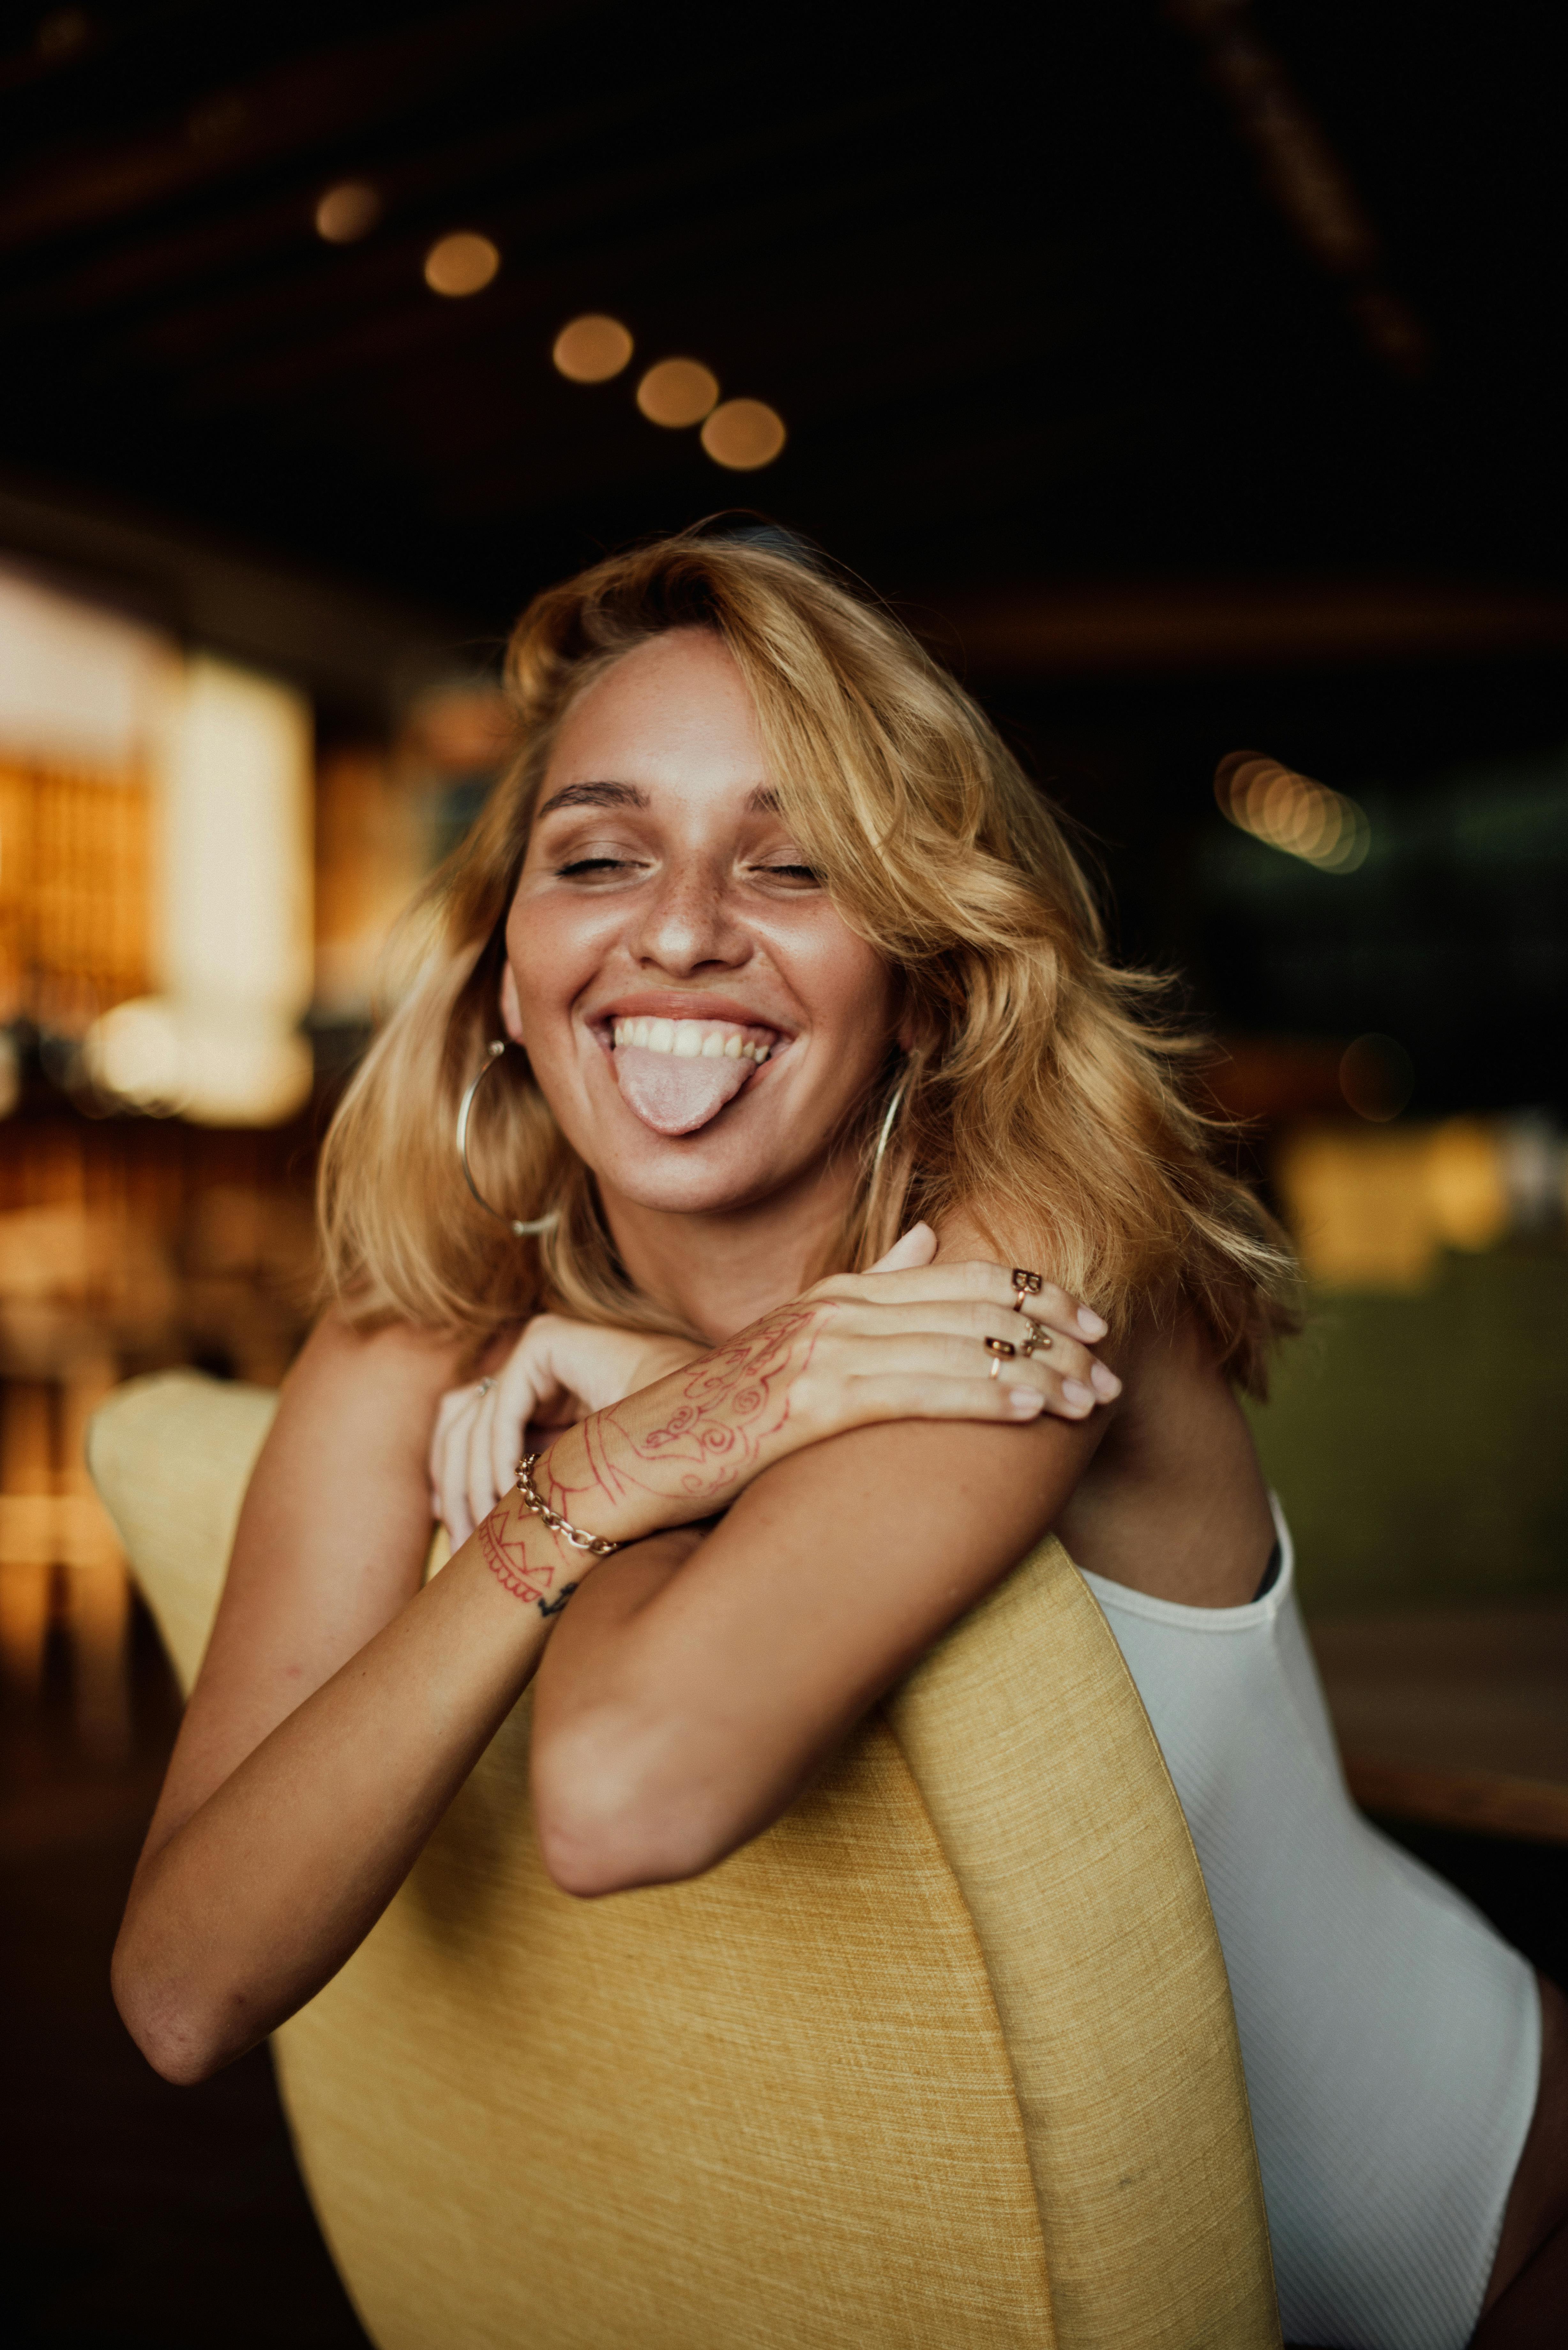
(999, 1350)
(1024, 1284)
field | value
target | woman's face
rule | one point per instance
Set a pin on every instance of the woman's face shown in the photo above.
(699, 1017)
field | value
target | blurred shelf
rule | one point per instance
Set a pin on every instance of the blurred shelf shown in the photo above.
(1459, 1718)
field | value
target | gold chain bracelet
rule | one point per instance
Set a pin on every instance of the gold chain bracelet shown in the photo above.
(533, 1500)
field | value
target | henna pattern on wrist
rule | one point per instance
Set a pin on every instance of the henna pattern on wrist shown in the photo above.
(731, 1401)
(507, 1559)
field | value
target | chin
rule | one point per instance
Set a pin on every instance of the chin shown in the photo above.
(708, 1173)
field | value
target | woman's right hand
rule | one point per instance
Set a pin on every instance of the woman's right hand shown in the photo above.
(557, 1373)
(905, 1340)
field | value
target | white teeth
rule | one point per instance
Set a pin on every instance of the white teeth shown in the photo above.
(687, 1040)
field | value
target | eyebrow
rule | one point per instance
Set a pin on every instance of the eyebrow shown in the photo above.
(763, 801)
(595, 795)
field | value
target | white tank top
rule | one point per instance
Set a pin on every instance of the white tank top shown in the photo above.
(1391, 2039)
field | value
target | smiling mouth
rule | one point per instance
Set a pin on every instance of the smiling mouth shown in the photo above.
(677, 1074)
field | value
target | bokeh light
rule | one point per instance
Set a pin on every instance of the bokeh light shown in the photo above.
(677, 392)
(461, 264)
(1292, 812)
(348, 212)
(743, 434)
(1377, 1077)
(592, 349)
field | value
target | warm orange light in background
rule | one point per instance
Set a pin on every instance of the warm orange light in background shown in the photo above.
(1377, 1077)
(220, 1041)
(348, 212)
(677, 392)
(592, 349)
(1290, 812)
(743, 434)
(461, 264)
(1374, 1212)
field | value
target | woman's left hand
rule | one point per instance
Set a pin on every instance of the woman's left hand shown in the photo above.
(558, 1372)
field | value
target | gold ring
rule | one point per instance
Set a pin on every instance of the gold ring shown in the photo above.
(999, 1350)
(1039, 1341)
(1024, 1284)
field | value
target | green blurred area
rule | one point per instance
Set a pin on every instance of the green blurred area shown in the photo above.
(1420, 1444)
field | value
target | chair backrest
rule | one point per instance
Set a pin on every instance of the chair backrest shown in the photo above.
(945, 2059)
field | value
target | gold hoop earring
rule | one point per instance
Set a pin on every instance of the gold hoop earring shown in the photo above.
(890, 1114)
(493, 1053)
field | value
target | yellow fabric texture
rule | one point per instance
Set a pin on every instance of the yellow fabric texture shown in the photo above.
(943, 2060)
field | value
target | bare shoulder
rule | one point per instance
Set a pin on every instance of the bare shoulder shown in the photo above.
(341, 1489)
(337, 1359)
(375, 1391)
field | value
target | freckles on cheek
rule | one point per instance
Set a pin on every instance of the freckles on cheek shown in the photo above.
(550, 967)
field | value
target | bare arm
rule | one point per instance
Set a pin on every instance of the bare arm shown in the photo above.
(339, 1707)
(685, 1701)
(337, 1713)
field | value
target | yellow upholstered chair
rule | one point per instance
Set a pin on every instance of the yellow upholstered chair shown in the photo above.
(944, 2061)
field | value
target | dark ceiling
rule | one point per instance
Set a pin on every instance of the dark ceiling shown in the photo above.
(1040, 292)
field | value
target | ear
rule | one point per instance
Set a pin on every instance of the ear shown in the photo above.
(511, 1010)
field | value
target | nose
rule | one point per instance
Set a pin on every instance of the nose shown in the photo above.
(688, 922)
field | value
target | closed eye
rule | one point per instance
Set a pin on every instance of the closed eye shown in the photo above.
(585, 866)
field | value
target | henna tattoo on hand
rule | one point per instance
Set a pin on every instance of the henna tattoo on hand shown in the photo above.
(731, 1401)
(506, 1555)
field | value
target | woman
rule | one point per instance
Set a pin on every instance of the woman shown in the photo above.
(792, 959)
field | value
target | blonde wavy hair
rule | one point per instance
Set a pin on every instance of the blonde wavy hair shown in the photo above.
(1046, 1097)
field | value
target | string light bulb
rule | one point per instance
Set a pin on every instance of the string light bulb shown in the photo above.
(743, 434)
(1293, 813)
(461, 264)
(592, 349)
(348, 212)
(677, 392)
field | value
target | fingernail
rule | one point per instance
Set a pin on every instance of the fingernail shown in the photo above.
(1026, 1401)
(1090, 1323)
(1073, 1391)
(1105, 1381)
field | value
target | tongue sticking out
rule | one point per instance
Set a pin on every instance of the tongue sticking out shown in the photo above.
(676, 1094)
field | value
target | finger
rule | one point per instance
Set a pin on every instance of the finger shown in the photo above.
(451, 1491)
(524, 1386)
(452, 1405)
(916, 1395)
(449, 1465)
(972, 1321)
(976, 1278)
(915, 1247)
(481, 1489)
(929, 1354)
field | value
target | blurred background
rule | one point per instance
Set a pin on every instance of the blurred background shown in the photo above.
(1190, 376)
